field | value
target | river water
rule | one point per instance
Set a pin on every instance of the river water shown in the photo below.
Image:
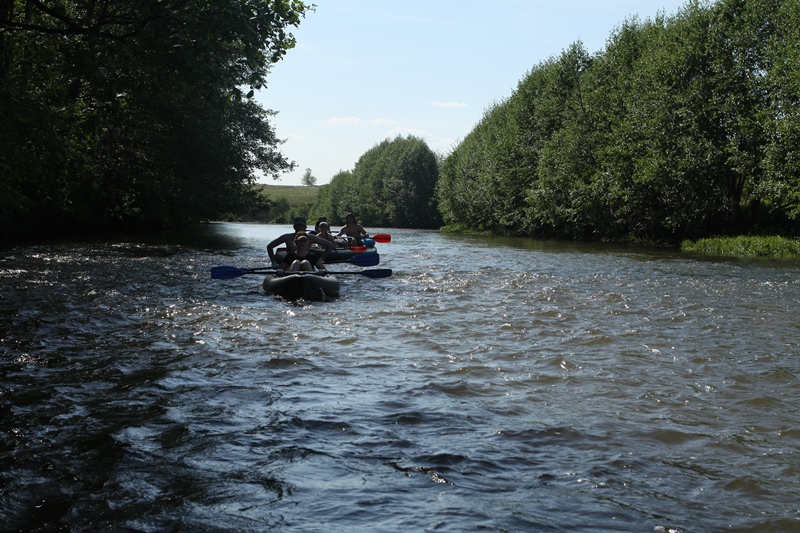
(488, 385)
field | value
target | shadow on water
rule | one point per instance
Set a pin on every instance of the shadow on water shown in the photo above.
(630, 250)
(555, 246)
(205, 236)
(490, 383)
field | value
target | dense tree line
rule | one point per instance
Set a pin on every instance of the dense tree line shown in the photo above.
(134, 113)
(682, 127)
(392, 185)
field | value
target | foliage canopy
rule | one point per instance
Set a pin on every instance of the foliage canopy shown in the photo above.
(392, 185)
(680, 128)
(309, 180)
(135, 113)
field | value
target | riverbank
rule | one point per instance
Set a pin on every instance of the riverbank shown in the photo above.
(773, 247)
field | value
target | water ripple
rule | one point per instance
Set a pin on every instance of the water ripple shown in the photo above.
(572, 387)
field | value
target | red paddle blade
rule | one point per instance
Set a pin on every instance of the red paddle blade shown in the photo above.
(382, 237)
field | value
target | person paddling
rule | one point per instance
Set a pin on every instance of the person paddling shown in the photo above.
(324, 232)
(299, 260)
(288, 239)
(320, 220)
(353, 229)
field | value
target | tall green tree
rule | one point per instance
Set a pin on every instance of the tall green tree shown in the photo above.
(393, 184)
(560, 198)
(478, 186)
(146, 108)
(777, 194)
(309, 180)
(493, 181)
(682, 127)
(396, 184)
(337, 198)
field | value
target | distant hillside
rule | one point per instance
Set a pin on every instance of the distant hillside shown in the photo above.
(295, 194)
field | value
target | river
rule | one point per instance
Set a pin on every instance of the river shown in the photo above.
(489, 384)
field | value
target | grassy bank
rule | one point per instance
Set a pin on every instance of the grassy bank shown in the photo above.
(770, 247)
(296, 195)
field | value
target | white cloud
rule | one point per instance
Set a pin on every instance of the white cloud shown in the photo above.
(344, 120)
(382, 122)
(437, 103)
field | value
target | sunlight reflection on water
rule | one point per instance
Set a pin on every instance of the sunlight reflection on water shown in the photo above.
(501, 383)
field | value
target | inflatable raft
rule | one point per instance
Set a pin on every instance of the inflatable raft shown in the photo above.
(302, 286)
(339, 255)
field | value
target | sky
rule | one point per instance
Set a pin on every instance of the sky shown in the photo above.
(368, 70)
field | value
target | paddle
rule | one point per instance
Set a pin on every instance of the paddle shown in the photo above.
(382, 237)
(230, 272)
(372, 273)
(367, 259)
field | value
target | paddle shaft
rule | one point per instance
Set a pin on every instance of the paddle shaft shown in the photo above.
(371, 273)
(230, 272)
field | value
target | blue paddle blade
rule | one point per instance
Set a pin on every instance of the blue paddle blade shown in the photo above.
(366, 259)
(227, 272)
(230, 272)
(377, 273)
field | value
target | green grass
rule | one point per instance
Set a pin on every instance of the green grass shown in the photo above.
(295, 194)
(769, 246)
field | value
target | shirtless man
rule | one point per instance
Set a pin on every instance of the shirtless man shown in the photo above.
(353, 229)
(287, 239)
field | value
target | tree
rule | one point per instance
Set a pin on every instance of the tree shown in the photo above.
(280, 208)
(396, 184)
(776, 197)
(495, 179)
(308, 179)
(145, 109)
(681, 128)
(392, 184)
(337, 198)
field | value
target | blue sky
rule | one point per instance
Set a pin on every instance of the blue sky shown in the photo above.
(367, 70)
